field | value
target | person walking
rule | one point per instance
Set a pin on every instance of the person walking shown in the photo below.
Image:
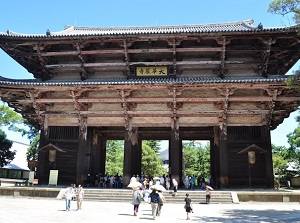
(188, 206)
(207, 195)
(136, 200)
(175, 186)
(168, 185)
(79, 194)
(161, 202)
(154, 199)
(69, 194)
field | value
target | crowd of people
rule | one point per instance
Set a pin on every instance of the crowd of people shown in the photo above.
(116, 181)
(145, 191)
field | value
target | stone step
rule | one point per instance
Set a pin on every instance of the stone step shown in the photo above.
(125, 195)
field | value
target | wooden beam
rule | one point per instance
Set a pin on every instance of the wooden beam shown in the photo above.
(153, 113)
(162, 63)
(132, 51)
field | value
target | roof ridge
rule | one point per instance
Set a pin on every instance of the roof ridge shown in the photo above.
(247, 22)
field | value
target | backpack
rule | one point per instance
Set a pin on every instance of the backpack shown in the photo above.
(154, 198)
(139, 197)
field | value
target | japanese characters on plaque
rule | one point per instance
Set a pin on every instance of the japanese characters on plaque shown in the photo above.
(151, 71)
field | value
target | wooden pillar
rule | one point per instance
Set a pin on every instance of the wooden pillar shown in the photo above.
(81, 174)
(42, 156)
(136, 154)
(268, 157)
(213, 164)
(127, 174)
(98, 155)
(132, 155)
(224, 164)
(175, 154)
(102, 154)
(221, 142)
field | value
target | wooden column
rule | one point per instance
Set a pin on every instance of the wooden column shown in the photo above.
(127, 174)
(98, 155)
(213, 164)
(224, 163)
(42, 162)
(175, 154)
(268, 157)
(132, 154)
(102, 154)
(136, 154)
(81, 174)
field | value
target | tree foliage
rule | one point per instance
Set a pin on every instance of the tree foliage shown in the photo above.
(6, 155)
(196, 159)
(11, 119)
(154, 144)
(151, 163)
(284, 7)
(15, 122)
(294, 138)
(32, 151)
(114, 157)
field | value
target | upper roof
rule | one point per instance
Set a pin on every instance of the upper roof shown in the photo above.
(239, 26)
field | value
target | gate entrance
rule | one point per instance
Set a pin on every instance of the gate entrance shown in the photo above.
(224, 82)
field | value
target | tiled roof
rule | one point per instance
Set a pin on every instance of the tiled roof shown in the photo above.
(141, 81)
(241, 26)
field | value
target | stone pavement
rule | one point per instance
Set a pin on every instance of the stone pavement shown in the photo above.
(25, 210)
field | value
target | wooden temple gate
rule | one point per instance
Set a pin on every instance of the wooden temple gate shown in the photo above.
(220, 82)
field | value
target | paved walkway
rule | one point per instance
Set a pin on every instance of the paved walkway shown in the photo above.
(28, 210)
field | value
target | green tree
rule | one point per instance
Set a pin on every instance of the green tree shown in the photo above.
(294, 138)
(154, 144)
(6, 155)
(32, 151)
(151, 163)
(281, 157)
(11, 119)
(284, 7)
(15, 122)
(196, 159)
(114, 157)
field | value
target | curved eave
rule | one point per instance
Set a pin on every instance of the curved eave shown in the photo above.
(71, 31)
(143, 81)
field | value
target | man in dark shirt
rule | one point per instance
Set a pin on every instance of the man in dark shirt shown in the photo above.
(188, 206)
(154, 198)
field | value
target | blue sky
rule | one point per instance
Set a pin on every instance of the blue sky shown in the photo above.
(36, 16)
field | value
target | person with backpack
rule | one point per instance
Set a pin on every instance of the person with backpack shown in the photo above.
(136, 200)
(154, 199)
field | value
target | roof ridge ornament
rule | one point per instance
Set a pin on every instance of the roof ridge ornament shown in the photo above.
(48, 33)
(260, 26)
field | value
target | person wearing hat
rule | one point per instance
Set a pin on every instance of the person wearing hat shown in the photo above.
(136, 199)
(79, 194)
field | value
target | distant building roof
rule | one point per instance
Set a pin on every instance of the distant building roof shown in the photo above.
(14, 167)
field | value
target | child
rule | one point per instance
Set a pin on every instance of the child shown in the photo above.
(188, 206)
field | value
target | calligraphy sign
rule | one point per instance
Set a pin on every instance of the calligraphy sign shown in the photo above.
(151, 71)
